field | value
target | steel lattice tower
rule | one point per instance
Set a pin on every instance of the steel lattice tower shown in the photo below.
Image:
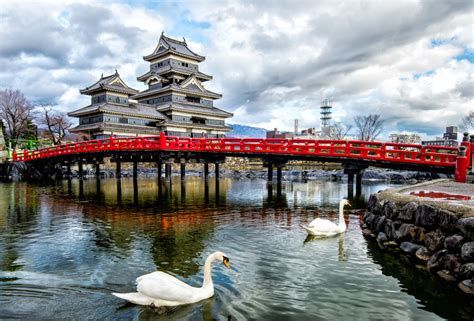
(325, 113)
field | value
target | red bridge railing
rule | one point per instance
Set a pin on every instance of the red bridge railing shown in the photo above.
(392, 152)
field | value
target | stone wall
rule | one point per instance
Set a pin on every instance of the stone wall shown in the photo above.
(436, 238)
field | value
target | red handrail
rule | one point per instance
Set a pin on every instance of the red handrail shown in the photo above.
(392, 152)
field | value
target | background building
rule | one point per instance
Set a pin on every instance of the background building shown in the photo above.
(175, 102)
(405, 138)
(450, 138)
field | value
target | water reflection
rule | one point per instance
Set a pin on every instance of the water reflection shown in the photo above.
(65, 248)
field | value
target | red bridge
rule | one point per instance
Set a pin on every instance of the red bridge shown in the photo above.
(354, 155)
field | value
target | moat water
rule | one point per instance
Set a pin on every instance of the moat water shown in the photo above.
(64, 249)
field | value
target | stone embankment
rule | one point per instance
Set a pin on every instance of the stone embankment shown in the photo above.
(437, 234)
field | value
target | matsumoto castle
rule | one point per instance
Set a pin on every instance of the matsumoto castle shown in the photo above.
(175, 102)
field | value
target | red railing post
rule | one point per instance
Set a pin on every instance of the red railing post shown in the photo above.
(466, 143)
(462, 164)
(162, 141)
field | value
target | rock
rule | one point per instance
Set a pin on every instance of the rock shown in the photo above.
(407, 212)
(453, 243)
(426, 216)
(411, 233)
(390, 210)
(446, 275)
(466, 226)
(381, 237)
(423, 254)
(366, 232)
(433, 262)
(466, 271)
(447, 219)
(391, 244)
(407, 232)
(373, 205)
(370, 220)
(434, 240)
(450, 262)
(467, 252)
(467, 286)
(409, 247)
(389, 229)
(380, 224)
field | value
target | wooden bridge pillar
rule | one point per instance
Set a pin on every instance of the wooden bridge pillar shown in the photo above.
(119, 191)
(358, 184)
(351, 170)
(79, 165)
(97, 170)
(159, 169)
(216, 166)
(167, 170)
(279, 167)
(270, 172)
(206, 170)
(135, 169)
(68, 170)
(118, 169)
(183, 170)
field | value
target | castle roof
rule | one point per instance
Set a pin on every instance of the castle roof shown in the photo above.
(177, 70)
(132, 109)
(193, 108)
(168, 45)
(193, 90)
(109, 83)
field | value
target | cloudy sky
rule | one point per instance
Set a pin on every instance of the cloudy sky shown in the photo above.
(273, 61)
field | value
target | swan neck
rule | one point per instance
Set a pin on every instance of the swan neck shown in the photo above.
(207, 271)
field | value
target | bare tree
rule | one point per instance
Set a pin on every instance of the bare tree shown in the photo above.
(468, 122)
(57, 123)
(339, 131)
(368, 127)
(16, 112)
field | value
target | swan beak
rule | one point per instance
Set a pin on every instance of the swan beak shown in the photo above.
(226, 262)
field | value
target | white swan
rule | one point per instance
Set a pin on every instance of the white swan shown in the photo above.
(323, 227)
(161, 289)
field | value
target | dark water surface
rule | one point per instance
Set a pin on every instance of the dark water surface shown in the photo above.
(64, 250)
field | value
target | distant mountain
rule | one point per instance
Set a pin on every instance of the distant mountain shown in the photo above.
(242, 131)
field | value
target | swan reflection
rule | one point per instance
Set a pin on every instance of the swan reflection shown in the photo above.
(342, 257)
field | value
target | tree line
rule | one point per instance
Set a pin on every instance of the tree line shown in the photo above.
(24, 121)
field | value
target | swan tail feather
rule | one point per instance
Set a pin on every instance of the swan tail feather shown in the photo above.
(308, 229)
(135, 297)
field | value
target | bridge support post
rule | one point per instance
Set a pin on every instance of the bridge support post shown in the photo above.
(279, 173)
(216, 166)
(351, 170)
(358, 184)
(270, 172)
(206, 170)
(79, 165)
(97, 170)
(167, 170)
(135, 169)
(118, 169)
(159, 169)
(68, 171)
(183, 170)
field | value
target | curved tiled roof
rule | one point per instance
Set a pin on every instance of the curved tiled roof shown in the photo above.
(167, 69)
(132, 109)
(194, 108)
(173, 46)
(107, 83)
(175, 87)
